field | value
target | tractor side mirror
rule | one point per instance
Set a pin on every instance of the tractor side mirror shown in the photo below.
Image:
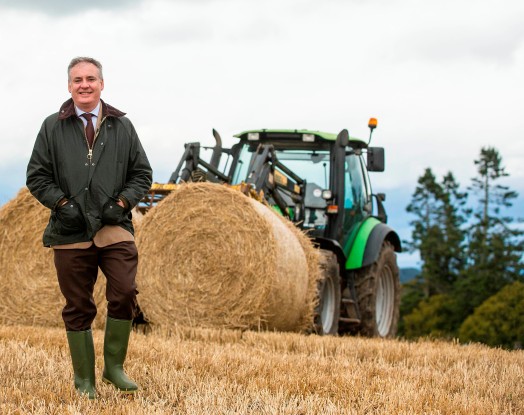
(376, 161)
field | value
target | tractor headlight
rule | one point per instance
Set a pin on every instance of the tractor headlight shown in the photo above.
(253, 136)
(327, 194)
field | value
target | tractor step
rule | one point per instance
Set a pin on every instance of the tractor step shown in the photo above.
(349, 320)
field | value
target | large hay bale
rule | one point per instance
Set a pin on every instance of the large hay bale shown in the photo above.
(29, 292)
(212, 257)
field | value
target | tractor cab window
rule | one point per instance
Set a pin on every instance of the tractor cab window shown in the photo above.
(241, 170)
(356, 195)
(311, 165)
(355, 184)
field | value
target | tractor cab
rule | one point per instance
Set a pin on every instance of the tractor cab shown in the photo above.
(319, 180)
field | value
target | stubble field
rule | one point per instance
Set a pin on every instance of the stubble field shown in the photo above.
(199, 371)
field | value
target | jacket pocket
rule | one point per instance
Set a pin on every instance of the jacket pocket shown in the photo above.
(113, 213)
(69, 218)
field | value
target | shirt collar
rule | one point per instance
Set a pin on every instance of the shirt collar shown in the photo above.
(95, 111)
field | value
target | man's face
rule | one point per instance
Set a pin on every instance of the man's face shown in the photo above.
(85, 85)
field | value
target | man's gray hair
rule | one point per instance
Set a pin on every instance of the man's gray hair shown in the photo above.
(80, 59)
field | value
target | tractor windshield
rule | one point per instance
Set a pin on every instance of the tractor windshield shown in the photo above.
(311, 165)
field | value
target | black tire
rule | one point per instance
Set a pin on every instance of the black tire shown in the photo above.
(327, 312)
(378, 294)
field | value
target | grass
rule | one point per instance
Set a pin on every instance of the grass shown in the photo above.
(199, 371)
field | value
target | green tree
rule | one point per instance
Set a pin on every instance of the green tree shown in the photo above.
(412, 295)
(450, 252)
(495, 247)
(464, 261)
(437, 233)
(492, 195)
(433, 317)
(424, 205)
(498, 321)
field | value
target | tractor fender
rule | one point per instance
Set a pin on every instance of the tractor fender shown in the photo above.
(333, 246)
(368, 243)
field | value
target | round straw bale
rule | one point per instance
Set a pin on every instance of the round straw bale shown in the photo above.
(212, 257)
(314, 275)
(29, 288)
(137, 217)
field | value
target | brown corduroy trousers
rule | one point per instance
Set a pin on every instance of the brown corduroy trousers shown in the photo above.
(77, 271)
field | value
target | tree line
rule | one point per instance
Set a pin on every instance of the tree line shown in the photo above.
(471, 282)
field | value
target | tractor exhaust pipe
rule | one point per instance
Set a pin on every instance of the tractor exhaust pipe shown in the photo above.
(217, 150)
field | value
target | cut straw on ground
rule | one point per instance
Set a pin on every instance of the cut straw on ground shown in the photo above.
(221, 371)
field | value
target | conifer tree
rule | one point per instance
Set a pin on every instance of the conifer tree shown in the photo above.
(439, 238)
(464, 261)
(425, 206)
(437, 233)
(495, 246)
(453, 217)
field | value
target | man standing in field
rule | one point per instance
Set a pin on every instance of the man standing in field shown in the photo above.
(89, 168)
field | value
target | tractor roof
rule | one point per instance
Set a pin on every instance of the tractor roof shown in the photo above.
(282, 133)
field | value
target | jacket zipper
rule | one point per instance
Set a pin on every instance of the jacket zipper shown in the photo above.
(90, 149)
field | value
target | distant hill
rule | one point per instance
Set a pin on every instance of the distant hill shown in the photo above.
(407, 274)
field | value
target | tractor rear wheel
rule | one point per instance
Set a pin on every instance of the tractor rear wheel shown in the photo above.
(327, 312)
(378, 294)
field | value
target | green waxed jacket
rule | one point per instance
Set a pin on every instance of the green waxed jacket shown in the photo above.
(61, 167)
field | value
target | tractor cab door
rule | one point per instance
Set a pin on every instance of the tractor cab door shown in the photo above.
(357, 196)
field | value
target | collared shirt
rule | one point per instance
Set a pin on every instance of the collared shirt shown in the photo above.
(95, 113)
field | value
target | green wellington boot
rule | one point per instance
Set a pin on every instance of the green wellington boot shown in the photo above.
(116, 340)
(83, 356)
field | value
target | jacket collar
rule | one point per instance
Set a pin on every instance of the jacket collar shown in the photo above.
(68, 110)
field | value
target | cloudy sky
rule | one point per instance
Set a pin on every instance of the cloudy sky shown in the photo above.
(444, 78)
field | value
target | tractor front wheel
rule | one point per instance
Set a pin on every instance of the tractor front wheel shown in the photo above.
(378, 293)
(327, 312)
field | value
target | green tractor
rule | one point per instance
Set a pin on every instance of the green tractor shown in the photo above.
(320, 182)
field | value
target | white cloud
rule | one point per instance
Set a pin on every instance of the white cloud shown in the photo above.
(443, 78)
(65, 7)
(484, 31)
